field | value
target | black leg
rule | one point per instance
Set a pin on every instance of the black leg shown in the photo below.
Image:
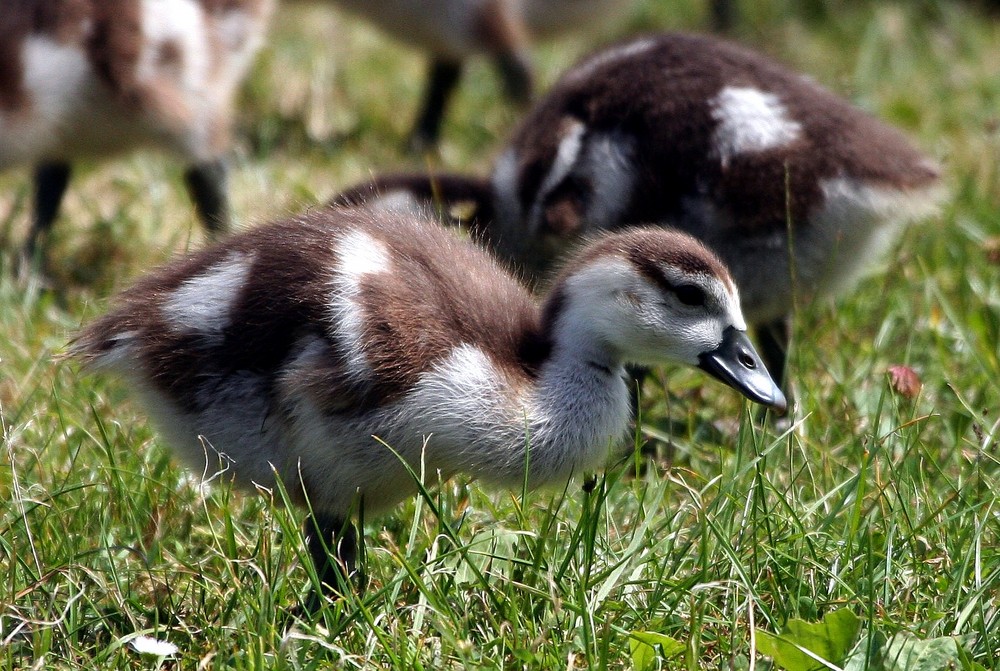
(335, 567)
(723, 15)
(50, 185)
(772, 338)
(444, 76)
(206, 182)
(516, 72)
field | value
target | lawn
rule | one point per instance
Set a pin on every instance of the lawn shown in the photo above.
(721, 527)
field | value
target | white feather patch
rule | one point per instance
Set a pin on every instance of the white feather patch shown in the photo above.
(182, 23)
(358, 254)
(611, 172)
(749, 121)
(147, 645)
(54, 77)
(53, 73)
(572, 132)
(202, 303)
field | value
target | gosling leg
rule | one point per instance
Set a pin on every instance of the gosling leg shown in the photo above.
(516, 73)
(723, 15)
(50, 183)
(336, 567)
(443, 79)
(207, 185)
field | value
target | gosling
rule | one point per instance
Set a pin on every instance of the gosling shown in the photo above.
(795, 189)
(91, 79)
(307, 348)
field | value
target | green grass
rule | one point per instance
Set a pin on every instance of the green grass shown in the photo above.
(871, 501)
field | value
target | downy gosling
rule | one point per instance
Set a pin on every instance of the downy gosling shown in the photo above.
(796, 190)
(82, 80)
(302, 348)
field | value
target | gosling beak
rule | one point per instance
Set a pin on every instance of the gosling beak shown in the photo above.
(737, 363)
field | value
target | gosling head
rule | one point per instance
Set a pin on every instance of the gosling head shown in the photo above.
(651, 296)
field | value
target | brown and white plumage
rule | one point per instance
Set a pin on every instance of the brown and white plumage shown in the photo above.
(293, 345)
(777, 175)
(89, 79)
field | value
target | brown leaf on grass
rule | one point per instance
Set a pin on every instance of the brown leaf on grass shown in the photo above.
(905, 381)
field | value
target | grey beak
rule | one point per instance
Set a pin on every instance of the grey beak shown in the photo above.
(737, 363)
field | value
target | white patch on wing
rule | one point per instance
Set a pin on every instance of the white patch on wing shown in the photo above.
(358, 255)
(459, 386)
(750, 120)
(54, 77)
(202, 303)
(572, 132)
(182, 23)
(53, 74)
(846, 199)
(609, 164)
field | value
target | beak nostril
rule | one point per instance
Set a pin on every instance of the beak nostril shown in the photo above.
(748, 361)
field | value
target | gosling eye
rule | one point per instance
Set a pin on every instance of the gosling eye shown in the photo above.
(689, 294)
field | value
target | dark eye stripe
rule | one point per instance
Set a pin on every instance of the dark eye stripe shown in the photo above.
(689, 294)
